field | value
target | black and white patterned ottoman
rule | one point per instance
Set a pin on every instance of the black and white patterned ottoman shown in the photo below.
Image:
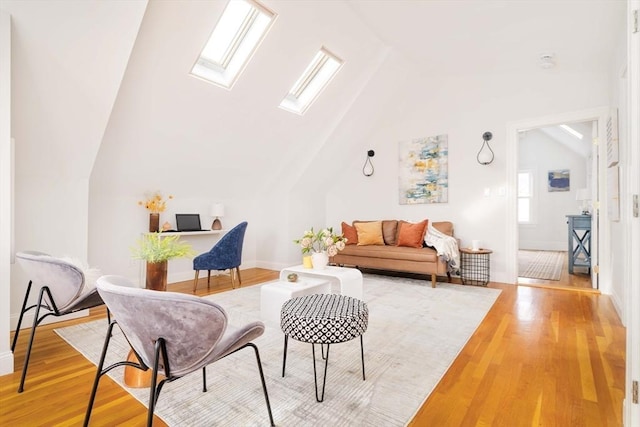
(323, 319)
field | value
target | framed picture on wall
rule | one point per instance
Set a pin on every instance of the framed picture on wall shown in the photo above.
(558, 180)
(424, 171)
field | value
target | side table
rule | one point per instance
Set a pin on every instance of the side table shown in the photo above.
(349, 279)
(579, 228)
(474, 266)
(274, 294)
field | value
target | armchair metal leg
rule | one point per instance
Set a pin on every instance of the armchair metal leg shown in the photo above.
(264, 384)
(195, 281)
(99, 374)
(204, 379)
(22, 311)
(33, 335)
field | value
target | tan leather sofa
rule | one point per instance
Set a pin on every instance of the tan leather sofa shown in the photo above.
(397, 258)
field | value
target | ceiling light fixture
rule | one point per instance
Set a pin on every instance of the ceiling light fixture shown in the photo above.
(572, 131)
(547, 60)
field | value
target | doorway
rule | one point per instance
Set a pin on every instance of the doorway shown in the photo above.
(554, 184)
(599, 116)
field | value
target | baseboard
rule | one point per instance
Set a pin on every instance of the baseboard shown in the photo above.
(27, 320)
(6, 363)
(617, 304)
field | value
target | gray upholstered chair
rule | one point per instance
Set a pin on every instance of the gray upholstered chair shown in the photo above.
(165, 330)
(63, 291)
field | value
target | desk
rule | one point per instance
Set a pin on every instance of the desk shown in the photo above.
(190, 233)
(579, 239)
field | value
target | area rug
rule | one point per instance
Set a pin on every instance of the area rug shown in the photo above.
(545, 265)
(415, 332)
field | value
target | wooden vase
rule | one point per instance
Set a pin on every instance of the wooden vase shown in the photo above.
(157, 276)
(154, 222)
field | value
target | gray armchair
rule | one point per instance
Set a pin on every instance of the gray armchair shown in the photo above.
(165, 331)
(63, 291)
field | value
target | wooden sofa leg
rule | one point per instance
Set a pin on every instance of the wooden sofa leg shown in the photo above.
(448, 277)
(433, 280)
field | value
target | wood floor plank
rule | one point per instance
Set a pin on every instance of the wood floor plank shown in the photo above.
(541, 357)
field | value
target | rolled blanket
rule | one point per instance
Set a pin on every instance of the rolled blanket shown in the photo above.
(446, 247)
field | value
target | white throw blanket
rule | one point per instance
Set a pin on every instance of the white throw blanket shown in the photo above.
(446, 247)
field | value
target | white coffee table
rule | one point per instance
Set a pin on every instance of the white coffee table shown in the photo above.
(274, 294)
(349, 279)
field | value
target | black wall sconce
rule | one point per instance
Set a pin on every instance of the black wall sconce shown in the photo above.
(367, 169)
(485, 155)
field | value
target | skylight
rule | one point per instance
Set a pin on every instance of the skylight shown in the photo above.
(241, 28)
(571, 131)
(315, 78)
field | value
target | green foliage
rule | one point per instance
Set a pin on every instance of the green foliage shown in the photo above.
(156, 247)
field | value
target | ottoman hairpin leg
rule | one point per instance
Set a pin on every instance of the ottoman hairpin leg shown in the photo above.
(362, 355)
(284, 354)
(315, 376)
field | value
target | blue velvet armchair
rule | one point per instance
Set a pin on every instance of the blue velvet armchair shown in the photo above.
(225, 255)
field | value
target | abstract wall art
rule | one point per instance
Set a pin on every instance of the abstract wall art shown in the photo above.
(424, 171)
(558, 180)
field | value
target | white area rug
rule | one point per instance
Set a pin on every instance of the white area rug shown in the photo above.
(415, 332)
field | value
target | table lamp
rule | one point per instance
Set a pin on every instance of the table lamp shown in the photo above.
(583, 196)
(217, 212)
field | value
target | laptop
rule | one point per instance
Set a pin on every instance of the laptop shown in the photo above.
(188, 222)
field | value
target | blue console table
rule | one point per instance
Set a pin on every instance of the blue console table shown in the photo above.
(579, 241)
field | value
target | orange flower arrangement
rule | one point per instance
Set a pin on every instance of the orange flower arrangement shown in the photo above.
(155, 203)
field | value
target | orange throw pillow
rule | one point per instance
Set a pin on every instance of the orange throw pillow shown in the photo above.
(369, 233)
(350, 233)
(410, 234)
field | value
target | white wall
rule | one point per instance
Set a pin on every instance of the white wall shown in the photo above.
(172, 132)
(540, 154)
(462, 106)
(6, 191)
(68, 59)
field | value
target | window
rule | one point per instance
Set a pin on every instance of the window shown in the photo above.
(315, 78)
(525, 197)
(241, 28)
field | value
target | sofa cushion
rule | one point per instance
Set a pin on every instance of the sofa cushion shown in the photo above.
(391, 252)
(411, 234)
(445, 227)
(350, 233)
(369, 233)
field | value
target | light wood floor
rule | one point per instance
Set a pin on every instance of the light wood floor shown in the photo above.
(541, 357)
(579, 281)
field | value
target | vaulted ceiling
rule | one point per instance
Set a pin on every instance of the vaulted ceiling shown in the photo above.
(136, 119)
